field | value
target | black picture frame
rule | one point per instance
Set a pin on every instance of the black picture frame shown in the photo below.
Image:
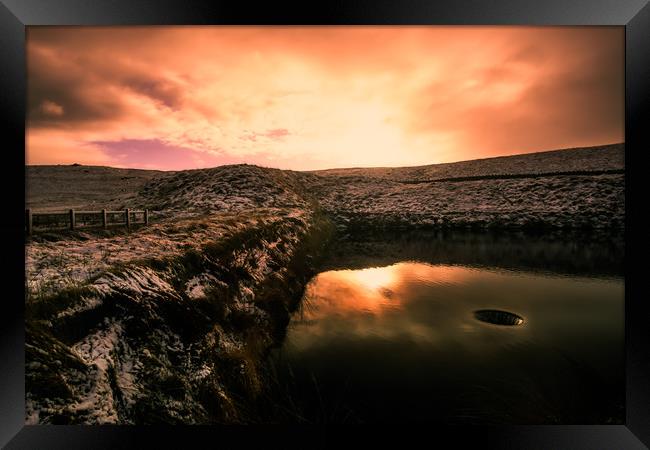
(15, 15)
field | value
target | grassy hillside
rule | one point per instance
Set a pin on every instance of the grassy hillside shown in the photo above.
(600, 158)
(238, 187)
(574, 191)
(550, 202)
(50, 188)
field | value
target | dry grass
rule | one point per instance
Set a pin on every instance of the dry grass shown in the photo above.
(608, 157)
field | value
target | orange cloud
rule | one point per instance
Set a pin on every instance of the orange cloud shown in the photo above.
(319, 97)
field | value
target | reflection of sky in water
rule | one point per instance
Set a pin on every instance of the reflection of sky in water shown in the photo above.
(432, 307)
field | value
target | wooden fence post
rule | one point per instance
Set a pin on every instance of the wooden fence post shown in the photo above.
(72, 224)
(128, 218)
(28, 220)
(146, 217)
(104, 218)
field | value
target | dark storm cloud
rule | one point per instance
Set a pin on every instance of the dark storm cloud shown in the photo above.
(90, 86)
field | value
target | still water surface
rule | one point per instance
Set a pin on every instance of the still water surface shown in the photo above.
(404, 342)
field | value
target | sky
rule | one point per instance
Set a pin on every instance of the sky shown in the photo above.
(306, 98)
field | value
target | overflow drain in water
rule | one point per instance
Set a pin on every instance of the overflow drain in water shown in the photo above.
(498, 317)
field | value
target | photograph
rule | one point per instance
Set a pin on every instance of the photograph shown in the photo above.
(325, 224)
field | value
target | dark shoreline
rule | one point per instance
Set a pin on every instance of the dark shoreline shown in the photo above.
(571, 252)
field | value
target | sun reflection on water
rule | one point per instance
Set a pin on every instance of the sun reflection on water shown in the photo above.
(371, 278)
(374, 290)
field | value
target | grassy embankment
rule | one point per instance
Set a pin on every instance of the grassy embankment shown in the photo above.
(176, 340)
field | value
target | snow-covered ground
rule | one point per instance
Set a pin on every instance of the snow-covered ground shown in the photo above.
(239, 187)
(410, 197)
(596, 201)
(144, 336)
(53, 265)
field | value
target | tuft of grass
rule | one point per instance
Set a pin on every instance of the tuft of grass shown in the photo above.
(40, 306)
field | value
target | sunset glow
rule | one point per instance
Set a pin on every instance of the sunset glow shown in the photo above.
(308, 98)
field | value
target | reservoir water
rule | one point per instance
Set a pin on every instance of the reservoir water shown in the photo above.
(416, 339)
